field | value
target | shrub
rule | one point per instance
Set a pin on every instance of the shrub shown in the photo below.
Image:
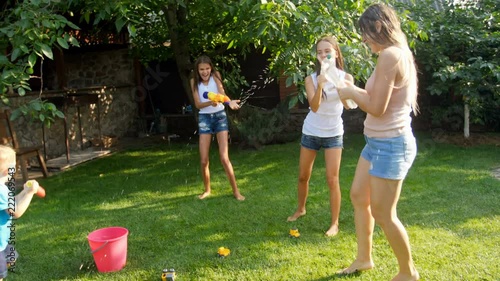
(460, 63)
(256, 126)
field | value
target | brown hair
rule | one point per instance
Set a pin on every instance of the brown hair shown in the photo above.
(196, 74)
(339, 62)
(390, 34)
(390, 30)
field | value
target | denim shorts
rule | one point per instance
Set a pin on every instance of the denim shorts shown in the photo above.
(390, 158)
(212, 123)
(316, 143)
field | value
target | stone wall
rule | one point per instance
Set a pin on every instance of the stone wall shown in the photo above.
(354, 120)
(117, 102)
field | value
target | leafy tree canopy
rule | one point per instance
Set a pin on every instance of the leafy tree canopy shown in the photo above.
(225, 30)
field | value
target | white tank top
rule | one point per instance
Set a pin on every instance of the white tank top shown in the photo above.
(211, 87)
(327, 120)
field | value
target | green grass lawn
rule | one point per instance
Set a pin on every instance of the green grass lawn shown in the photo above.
(449, 206)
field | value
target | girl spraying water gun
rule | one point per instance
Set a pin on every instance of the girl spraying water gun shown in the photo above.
(212, 119)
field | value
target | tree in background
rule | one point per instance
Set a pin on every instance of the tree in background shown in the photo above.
(460, 63)
(29, 30)
(225, 30)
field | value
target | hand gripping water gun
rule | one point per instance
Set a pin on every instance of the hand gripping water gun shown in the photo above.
(331, 72)
(40, 191)
(215, 97)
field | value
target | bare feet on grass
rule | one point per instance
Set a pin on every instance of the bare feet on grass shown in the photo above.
(239, 197)
(407, 277)
(332, 231)
(356, 267)
(295, 216)
(204, 195)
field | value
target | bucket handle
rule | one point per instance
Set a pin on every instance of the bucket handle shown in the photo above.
(100, 247)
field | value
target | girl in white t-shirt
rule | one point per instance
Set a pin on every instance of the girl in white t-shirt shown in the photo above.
(212, 119)
(323, 128)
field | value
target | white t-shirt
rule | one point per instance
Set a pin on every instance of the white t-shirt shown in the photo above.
(327, 120)
(211, 87)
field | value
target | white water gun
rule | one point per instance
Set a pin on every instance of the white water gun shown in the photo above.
(329, 68)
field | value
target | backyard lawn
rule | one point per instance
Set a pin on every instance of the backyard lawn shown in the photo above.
(449, 205)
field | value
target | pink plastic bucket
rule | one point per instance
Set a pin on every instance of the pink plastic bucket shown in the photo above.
(109, 248)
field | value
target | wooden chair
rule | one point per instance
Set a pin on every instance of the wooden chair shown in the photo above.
(23, 154)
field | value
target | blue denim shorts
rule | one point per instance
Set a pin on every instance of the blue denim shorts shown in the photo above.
(316, 143)
(390, 158)
(212, 123)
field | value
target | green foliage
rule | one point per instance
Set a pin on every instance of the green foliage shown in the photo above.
(226, 31)
(449, 117)
(28, 32)
(145, 22)
(272, 26)
(460, 61)
(230, 30)
(256, 126)
(38, 109)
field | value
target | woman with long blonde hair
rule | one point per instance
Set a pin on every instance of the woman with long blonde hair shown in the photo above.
(388, 98)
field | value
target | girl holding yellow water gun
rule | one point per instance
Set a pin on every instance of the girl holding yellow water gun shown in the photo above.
(212, 119)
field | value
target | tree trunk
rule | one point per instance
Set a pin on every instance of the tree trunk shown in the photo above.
(175, 15)
(466, 120)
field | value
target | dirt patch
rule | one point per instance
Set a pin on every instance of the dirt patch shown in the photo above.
(474, 139)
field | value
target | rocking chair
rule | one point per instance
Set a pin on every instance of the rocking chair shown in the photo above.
(23, 154)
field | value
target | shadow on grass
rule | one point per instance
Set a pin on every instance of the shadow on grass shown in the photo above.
(152, 192)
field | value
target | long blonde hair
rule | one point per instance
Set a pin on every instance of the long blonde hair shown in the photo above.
(390, 34)
(7, 158)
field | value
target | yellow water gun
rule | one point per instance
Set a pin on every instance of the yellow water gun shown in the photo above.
(215, 97)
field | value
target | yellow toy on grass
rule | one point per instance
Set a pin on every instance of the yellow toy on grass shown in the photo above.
(168, 275)
(294, 232)
(223, 252)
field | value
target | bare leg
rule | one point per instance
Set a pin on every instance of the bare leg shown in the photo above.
(306, 162)
(363, 220)
(226, 163)
(384, 199)
(205, 140)
(332, 163)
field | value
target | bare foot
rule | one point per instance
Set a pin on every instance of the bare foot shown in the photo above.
(332, 231)
(356, 267)
(239, 197)
(405, 277)
(204, 195)
(295, 216)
